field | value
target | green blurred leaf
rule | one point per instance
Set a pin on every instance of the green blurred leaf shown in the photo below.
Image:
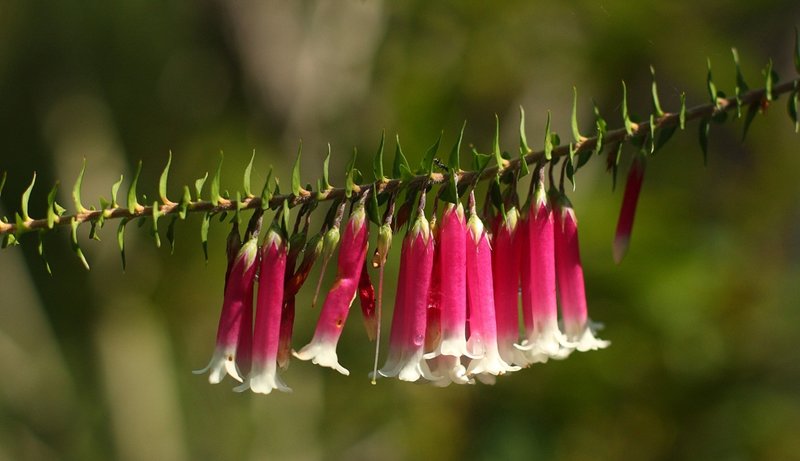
(198, 186)
(26, 196)
(215, 181)
(625, 116)
(248, 173)
(204, 234)
(498, 156)
(601, 126)
(792, 108)
(266, 193)
(51, 210)
(615, 166)
(156, 215)
(752, 111)
(121, 240)
(400, 169)
(682, 114)
(576, 134)
(40, 249)
(654, 94)
(171, 234)
(114, 190)
(162, 182)
(350, 183)
(3, 182)
(373, 211)
(771, 78)
(741, 85)
(454, 162)
(548, 139)
(133, 203)
(652, 125)
(426, 165)
(703, 135)
(76, 190)
(664, 135)
(285, 218)
(74, 243)
(711, 87)
(326, 183)
(524, 149)
(480, 161)
(93, 230)
(296, 181)
(377, 162)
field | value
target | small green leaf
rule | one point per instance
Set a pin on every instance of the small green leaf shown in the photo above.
(426, 165)
(377, 162)
(752, 111)
(498, 156)
(576, 134)
(133, 203)
(121, 240)
(76, 190)
(114, 190)
(248, 173)
(26, 198)
(204, 234)
(601, 126)
(74, 242)
(741, 85)
(198, 186)
(373, 211)
(792, 108)
(450, 192)
(216, 198)
(712, 88)
(771, 79)
(296, 181)
(171, 234)
(9, 241)
(350, 184)
(523, 166)
(682, 114)
(625, 116)
(266, 193)
(162, 182)
(285, 218)
(400, 163)
(454, 162)
(184, 204)
(156, 215)
(703, 134)
(664, 135)
(480, 161)
(93, 231)
(615, 166)
(326, 183)
(523, 140)
(548, 139)
(52, 217)
(40, 249)
(654, 94)
(3, 182)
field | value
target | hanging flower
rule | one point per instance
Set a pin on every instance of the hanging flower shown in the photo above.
(264, 376)
(482, 342)
(633, 186)
(352, 252)
(540, 307)
(407, 337)
(234, 333)
(506, 281)
(571, 291)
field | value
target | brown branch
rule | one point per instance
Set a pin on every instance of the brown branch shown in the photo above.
(389, 185)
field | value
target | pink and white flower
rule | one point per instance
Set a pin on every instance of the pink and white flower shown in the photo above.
(633, 187)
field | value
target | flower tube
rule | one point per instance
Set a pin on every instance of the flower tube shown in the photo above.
(482, 340)
(264, 376)
(543, 338)
(571, 290)
(633, 186)
(352, 253)
(234, 333)
(407, 342)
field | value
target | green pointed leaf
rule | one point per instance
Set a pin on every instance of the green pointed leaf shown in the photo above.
(523, 166)
(523, 140)
(601, 127)
(114, 190)
(480, 161)
(9, 241)
(576, 134)
(664, 135)
(171, 234)
(682, 114)
(26, 196)
(615, 166)
(93, 230)
(712, 88)
(771, 79)
(3, 182)
(454, 162)
(426, 165)
(40, 249)
(498, 156)
(296, 181)
(450, 192)
(156, 215)
(76, 190)
(326, 183)
(285, 218)
(372, 207)
(198, 186)
(350, 182)
(548, 139)
(792, 108)
(74, 242)
(570, 172)
(248, 173)
(625, 116)
(52, 217)
(741, 85)
(162, 181)
(184, 204)
(266, 193)
(654, 94)
(377, 162)
(703, 134)
(121, 240)
(216, 198)
(752, 111)
(400, 169)
(204, 234)
(133, 203)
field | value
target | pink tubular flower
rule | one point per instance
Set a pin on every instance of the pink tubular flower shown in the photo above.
(506, 278)
(407, 341)
(263, 376)
(234, 334)
(482, 340)
(543, 338)
(571, 291)
(625, 224)
(352, 252)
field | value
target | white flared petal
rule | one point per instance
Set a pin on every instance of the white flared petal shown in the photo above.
(490, 362)
(456, 347)
(223, 361)
(588, 342)
(487, 379)
(448, 370)
(263, 380)
(322, 354)
(511, 355)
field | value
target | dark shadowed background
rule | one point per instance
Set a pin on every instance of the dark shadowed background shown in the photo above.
(703, 314)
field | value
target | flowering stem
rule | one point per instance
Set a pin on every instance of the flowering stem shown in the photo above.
(388, 186)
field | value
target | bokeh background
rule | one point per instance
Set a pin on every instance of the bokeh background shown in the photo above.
(703, 314)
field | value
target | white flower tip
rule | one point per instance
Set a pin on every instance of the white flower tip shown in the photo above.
(620, 248)
(321, 354)
(232, 369)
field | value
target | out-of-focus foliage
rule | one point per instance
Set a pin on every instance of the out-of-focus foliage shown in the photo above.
(702, 314)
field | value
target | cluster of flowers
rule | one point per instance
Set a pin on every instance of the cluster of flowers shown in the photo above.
(457, 309)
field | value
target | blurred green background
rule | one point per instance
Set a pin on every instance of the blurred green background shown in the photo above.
(703, 313)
